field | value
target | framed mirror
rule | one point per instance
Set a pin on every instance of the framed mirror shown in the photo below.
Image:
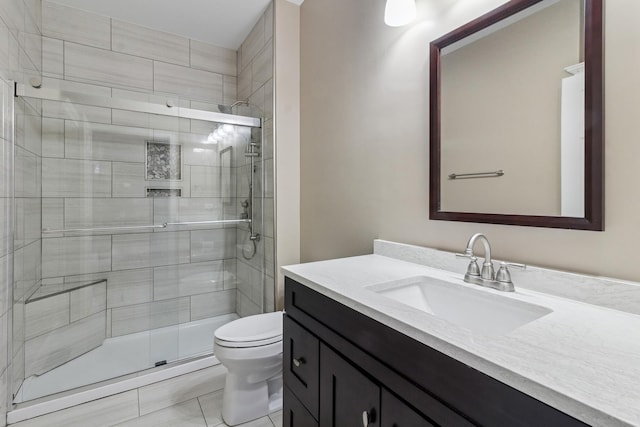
(516, 117)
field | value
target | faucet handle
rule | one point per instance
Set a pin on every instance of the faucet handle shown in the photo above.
(473, 269)
(503, 274)
(514, 264)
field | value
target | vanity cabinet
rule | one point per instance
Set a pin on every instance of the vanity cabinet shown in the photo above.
(344, 369)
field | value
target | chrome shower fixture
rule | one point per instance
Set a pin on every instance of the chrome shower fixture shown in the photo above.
(228, 109)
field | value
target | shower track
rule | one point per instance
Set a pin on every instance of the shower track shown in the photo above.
(169, 109)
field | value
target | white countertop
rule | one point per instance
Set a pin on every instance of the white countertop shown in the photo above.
(582, 359)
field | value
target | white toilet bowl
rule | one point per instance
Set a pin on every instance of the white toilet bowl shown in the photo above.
(251, 350)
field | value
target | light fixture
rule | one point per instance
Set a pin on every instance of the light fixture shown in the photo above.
(399, 12)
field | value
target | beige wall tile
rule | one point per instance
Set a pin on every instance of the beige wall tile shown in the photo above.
(145, 42)
(188, 279)
(71, 86)
(96, 141)
(52, 57)
(128, 180)
(63, 344)
(213, 304)
(67, 110)
(205, 181)
(67, 256)
(89, 213)
(85, 63)
(262, 67)
(142, 317)
(244, 84)
(129, 287)
(45, 315)
(66, 23)
(253, 43)
(211, 245)
(183, 81)
(88, 300)
(75, 178)
(153, 249)
(208, 57)
(52, 137)
(53, 215)
(230, 89)
(28, 214)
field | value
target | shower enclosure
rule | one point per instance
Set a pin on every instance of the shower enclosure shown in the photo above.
(136, 201)
(147, 211)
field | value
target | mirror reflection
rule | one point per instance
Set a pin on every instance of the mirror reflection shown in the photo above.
(512, 108)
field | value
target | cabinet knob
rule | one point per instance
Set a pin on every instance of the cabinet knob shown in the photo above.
(299, 361)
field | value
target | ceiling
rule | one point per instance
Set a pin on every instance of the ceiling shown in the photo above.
(224, 23)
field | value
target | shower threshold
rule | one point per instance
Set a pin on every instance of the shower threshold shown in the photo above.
(127, 354)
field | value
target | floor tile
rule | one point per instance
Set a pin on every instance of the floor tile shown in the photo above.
(187, 414)
(211, 405)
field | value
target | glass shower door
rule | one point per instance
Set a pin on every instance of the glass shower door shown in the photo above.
(150, 237)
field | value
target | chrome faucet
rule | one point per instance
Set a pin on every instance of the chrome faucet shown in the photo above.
(487, 276)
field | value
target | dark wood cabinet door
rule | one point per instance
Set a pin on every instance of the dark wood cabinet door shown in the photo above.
(348, 398)
(396, 413)
(294, 414)
(300, 364)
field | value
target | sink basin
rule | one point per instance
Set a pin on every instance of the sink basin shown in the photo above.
(478, 310)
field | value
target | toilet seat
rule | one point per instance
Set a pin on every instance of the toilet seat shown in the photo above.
(251, 331)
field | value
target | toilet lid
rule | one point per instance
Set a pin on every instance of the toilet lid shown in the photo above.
(259, 329)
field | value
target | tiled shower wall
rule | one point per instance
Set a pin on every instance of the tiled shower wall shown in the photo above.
(255, 83)
(20, 59)
(94, 171)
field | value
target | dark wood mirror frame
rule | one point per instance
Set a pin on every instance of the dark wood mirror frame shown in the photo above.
(594, 123)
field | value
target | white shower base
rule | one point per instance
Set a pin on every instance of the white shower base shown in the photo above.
(125, 355)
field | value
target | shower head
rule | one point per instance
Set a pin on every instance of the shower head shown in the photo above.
(228, 109)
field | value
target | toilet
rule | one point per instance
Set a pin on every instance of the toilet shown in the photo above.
(251, 350)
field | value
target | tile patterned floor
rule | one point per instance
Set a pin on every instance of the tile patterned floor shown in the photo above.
(203, 411)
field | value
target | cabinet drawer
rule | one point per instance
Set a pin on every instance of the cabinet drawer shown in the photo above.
(294, 414)
(300, 364)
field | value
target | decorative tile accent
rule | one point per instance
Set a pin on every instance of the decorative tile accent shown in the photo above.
(164, 161)
(164, 192)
